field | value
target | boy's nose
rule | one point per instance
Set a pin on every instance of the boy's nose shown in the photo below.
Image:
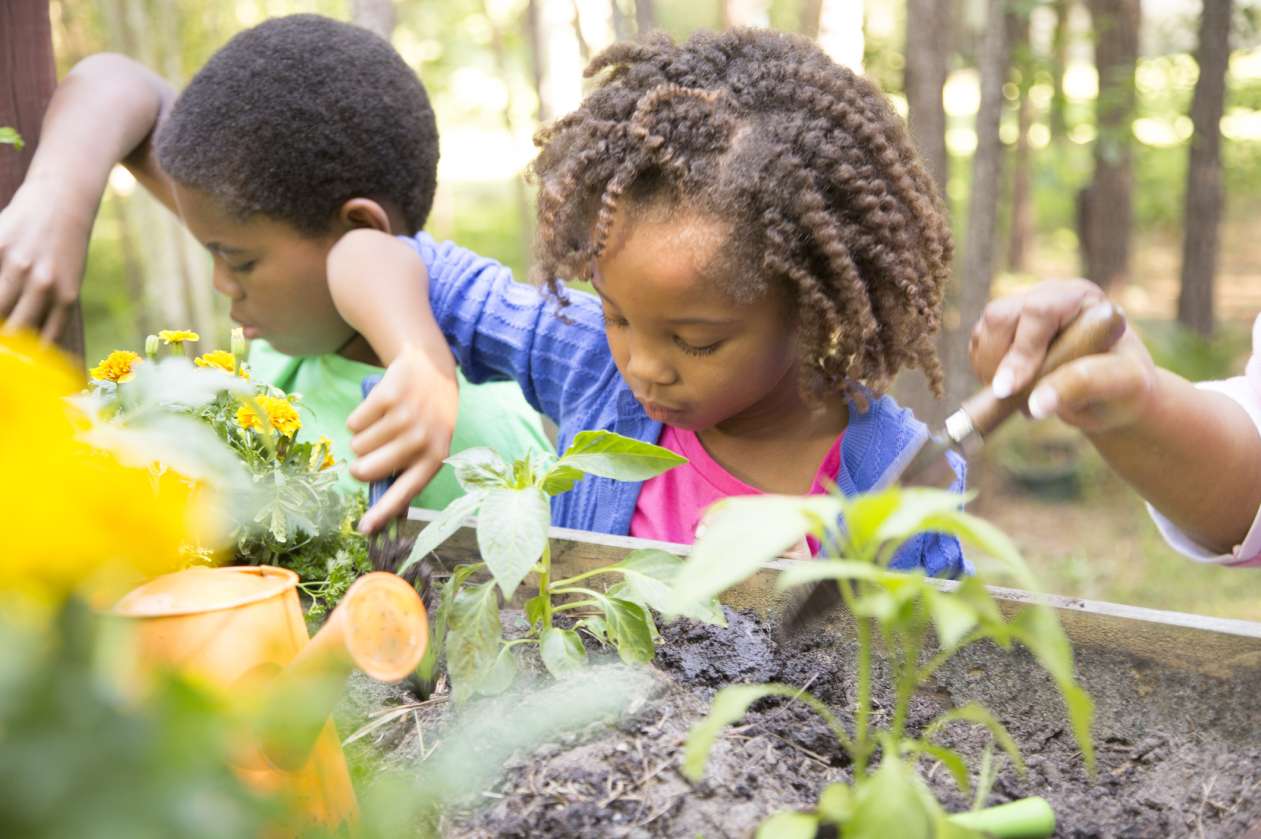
(225, 285)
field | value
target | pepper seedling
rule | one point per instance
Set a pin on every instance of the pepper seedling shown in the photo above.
(512, 504)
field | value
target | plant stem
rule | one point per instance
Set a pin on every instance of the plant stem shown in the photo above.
(514, 642)
(545, 589)
(577, 604)
(578, 590)
(862, 745)
(906, 680)
(568, 581)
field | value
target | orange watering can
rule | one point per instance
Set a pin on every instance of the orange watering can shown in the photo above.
(242, 629)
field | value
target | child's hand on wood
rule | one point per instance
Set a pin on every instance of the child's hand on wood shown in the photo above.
(403, 427)
(1097, 393)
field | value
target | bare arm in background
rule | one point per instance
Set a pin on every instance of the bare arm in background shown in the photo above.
(103, 113)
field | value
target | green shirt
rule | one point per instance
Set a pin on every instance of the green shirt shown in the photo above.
(495, 415)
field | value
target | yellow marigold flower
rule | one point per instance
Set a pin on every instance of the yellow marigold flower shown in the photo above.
(279, 412)
(118, 366)
(221, 359)
(321, 455)
(178, 336)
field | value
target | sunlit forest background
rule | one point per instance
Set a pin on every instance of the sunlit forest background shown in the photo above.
(1070, 136)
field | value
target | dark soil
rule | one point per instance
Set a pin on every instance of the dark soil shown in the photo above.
(1179, 754)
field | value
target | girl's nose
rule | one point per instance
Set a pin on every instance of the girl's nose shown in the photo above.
(647, 367)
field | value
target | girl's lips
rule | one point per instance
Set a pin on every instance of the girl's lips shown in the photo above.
(660, 413)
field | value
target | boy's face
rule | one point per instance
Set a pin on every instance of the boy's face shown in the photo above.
(275, 276)
(694, 357)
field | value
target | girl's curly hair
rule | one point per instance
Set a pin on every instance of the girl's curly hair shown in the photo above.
(807, 163)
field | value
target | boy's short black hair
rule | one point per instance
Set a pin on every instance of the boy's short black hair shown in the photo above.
(299, 114)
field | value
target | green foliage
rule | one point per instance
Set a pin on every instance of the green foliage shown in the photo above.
(900, 608)
(282, 500)
(78, 757)
(10, 137)
(513, 517)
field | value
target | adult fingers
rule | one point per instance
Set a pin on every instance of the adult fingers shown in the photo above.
(1092, 393)
(31, 307)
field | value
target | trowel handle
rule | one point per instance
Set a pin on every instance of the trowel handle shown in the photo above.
(1095, 330)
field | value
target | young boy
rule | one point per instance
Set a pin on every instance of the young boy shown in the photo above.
(294, 133)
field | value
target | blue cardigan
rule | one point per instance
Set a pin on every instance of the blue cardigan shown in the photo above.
(501, 329)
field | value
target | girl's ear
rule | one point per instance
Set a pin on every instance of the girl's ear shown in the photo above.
(364, 212)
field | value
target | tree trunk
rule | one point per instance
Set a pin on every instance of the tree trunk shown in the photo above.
(1059, 64)
(808, 18)
(1204, 170)
(1020, 232)
(525, 214)
(376, 15)
(1104, 208)
(621, 25)
(555, 61)
(977, 272)
(928, 42)
(26, 65)
(645, 16)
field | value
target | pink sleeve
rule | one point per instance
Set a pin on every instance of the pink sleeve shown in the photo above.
(1246, 391)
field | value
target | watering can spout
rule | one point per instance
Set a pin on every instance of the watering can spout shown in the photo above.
(379, 627)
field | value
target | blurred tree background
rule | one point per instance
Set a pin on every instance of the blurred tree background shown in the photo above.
(1115, 139)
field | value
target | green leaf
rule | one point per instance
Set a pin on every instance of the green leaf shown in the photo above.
(480, 468)
(729, 705)
(629, 629)
(611, 455)
(741, 535)
(440, 529)
(500, 676)
(953, 616)
(1038, 629)
(789, 825)
(913, 508)
(836, 803)
(474, 638)
(562, 651)
(648, 574)
(949, 758)
(512, 533)
(10, 136)
(535, 608)
(595, 627)
(891, 802)
(974, 713)
(809, 571)
(560, 479)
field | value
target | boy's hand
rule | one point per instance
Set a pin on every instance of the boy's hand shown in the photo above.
(1097, 393)
(43, 247)
(404, 427)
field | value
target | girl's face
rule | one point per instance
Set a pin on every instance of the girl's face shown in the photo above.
(275, 277)
(694, 357)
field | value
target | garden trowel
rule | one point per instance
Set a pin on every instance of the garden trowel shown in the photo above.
(1095, 330)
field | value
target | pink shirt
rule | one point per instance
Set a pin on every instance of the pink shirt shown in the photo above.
(1246, 390)
(671, 505)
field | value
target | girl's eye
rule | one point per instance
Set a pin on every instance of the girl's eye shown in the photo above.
(614, 320)
(694, 350)
(244, 267)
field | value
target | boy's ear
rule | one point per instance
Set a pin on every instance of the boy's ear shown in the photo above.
(364, 212)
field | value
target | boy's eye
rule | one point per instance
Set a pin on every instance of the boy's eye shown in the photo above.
(611, 319)
(244, 267)
(692, 349)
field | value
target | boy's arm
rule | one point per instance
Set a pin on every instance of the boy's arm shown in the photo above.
(102, 113)
(1194, 454)
(404, 427)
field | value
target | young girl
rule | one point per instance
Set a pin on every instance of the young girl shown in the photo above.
(766, 253)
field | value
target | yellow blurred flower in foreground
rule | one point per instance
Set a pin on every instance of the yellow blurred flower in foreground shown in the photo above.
(75, 517)
(178, 336)
(279, 412)
(322, 455)
(222, 359)
(118, 366)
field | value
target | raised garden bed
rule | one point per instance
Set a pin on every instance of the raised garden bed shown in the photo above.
(1178, 725)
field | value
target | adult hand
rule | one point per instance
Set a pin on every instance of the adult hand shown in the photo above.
(1097, 393)
(43, 248)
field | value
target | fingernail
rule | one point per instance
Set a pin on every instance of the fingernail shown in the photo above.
(1003, 382)
(1042, 402)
